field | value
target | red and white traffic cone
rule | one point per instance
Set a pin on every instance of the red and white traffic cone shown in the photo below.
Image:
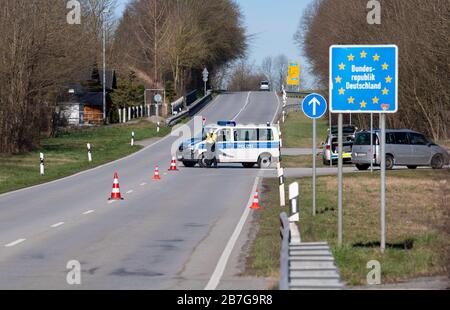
(173, 165)
(156, 176)
(115, 193)
(255, 204)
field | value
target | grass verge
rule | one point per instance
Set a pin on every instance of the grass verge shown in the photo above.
(297, 131)
(418, 225)
(66, 154)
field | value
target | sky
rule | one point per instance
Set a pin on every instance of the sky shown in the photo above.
(272, 25)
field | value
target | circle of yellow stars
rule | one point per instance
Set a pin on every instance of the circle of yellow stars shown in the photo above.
(363, 55)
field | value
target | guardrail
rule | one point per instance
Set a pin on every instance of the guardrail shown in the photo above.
(285, 234)
(304, 265)
(177, 105)
(191, 97)
(298, 94)
(191, 111)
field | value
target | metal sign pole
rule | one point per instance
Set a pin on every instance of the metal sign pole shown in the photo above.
(314, 166)
(340, 174)
(371, 142)
(331, 141)
(383, 181)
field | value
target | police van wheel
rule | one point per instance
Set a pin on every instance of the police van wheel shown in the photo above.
(264, 161)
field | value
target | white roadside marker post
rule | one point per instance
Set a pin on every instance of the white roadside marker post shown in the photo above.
(157, 127)
(42, 160)
(281, 183)
(293, 197)
(284, 116)
(89, 152)
(132, 138)
(120, 115)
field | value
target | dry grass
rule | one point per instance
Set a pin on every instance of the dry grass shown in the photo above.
(418, 215)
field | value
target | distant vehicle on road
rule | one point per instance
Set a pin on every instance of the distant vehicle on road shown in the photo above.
(264, 86)
(245, 144)
(403, 148)
(330, 146)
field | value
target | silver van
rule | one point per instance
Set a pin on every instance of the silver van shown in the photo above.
(403, 148)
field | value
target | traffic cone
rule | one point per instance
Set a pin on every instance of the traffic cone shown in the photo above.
(115, 193)
(255, 204)
(156, 177)
(173, 165)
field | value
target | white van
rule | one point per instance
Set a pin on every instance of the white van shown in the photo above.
(245, 144)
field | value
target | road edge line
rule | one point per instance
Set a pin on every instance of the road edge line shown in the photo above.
(223, 260)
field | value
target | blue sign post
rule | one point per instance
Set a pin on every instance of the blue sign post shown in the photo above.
(314, 106)
(363, 78)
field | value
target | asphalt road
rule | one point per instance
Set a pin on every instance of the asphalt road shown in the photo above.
(169, 234)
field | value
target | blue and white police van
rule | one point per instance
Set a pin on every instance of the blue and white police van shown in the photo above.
(248, 145)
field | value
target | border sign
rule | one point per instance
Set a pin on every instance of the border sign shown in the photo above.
(293, 78)
(363, 78)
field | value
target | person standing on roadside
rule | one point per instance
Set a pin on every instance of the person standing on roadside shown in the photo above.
(211, 158)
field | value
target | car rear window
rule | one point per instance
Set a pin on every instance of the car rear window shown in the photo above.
(346, 130)
(363, 138)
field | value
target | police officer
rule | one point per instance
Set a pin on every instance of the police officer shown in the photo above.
(211, 158)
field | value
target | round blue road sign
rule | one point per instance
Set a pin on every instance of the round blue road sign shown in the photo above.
(314, 106)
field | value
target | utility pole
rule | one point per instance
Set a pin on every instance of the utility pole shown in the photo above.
(104, 64)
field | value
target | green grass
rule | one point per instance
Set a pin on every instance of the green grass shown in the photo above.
(297, 131)
(67, 154)
(417, 209)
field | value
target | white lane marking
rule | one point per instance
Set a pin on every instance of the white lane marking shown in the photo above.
(243, 108)
(130, 191)
(278, 108)
(143, 184)
(57, 225)
(222, 263)
(14, 243)
(88, 212)
(111, 201)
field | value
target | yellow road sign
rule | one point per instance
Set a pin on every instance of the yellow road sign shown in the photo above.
(293, 73)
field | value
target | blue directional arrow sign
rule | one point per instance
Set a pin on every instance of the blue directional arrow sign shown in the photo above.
(363, 78)
(314, 106)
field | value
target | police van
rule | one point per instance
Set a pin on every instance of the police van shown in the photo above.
(248, 145)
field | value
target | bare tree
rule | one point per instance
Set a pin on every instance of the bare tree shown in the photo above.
(267, 68)
(419, 28)
(39, 53)
(191, 34)
(281, 70)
